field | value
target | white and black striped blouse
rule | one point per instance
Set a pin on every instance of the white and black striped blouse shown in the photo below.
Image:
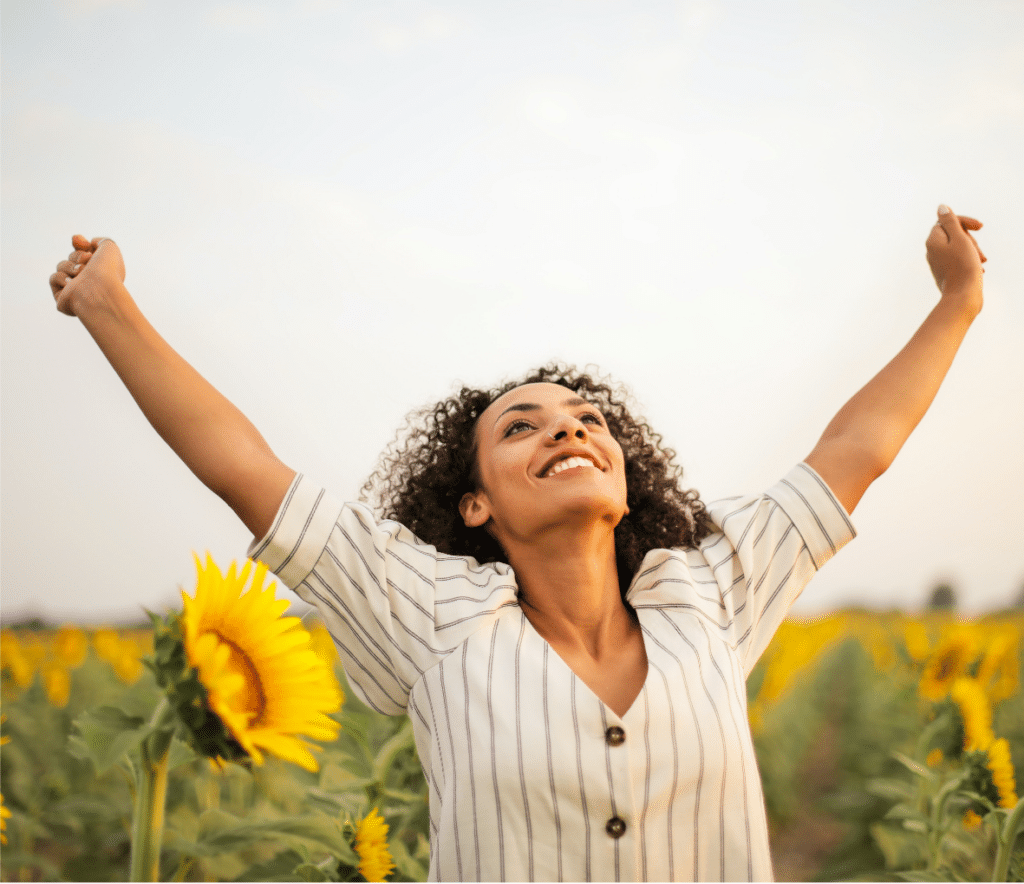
(531, 776)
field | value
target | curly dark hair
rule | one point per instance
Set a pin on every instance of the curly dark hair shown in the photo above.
(422, 476)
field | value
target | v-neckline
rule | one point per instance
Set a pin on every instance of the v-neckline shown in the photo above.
(579, 678)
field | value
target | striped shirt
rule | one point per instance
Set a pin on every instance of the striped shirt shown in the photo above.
(530, 775)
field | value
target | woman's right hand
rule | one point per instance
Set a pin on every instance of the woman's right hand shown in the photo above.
(91, 273)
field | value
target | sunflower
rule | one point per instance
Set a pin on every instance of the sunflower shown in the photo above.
(323, 644)
(20, 658)
(1000, 668)
(971, 821)
(4, 816)
(955, 653)
(4, 812)
(57, 682)
(1001, 766)
(70, 646)
(915, 637)
(107, 643)
(256, 670)
(127, 665)
(797, 646)
(375, 862)
(975, 711)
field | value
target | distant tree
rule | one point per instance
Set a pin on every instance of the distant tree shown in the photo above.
(943, 598)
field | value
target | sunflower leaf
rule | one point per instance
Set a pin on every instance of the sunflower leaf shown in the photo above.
(907, 814)
(181, 753)
(913, 766)
(337, 803)
(310, 872)
(890, 789)
(220, 832)
(409, 866)
(386, 756)
(104, 735)
(281, 867)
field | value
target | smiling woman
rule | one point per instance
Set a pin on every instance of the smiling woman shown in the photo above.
(568, 629)
(423, 477)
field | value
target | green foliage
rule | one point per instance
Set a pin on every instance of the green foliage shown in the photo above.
(69, 774)
(900, 817)
(848, 743)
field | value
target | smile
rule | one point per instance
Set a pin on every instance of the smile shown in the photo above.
(569, 463)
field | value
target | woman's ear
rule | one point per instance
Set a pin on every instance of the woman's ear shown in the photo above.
(473, 509)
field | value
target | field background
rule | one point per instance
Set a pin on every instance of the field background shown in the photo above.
(831, 702)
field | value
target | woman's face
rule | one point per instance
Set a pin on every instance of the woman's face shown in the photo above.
(545, 459)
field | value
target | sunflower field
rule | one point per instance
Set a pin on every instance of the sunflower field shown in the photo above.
(888, 746)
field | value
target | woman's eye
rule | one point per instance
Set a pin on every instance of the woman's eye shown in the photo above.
(517, 426)
(593, 418)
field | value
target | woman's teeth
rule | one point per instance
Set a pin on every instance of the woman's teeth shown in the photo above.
(568, 464)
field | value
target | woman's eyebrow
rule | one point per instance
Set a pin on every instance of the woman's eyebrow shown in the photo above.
(533, 406)
(522, 406)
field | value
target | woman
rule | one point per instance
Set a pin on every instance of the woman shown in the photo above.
(568, 630)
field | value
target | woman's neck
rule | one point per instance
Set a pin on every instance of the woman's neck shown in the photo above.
(569, 591)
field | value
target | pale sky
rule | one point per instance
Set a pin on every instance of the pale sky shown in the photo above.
(336, 210)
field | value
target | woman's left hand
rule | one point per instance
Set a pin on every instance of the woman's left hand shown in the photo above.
(955, 257)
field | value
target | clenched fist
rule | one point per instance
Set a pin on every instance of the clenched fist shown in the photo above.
(955, 258)
(91, 273)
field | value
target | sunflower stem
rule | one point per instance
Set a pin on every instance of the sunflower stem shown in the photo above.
(1011, 828)
(151, 798)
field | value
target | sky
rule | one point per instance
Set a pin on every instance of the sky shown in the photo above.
(337, 211)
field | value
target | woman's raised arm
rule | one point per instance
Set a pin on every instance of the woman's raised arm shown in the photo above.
(865, 436)
(214, 439)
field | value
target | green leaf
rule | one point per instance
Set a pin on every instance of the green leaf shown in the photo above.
(310, 872)
(281, 867)
(409, 866)
(913, 766)
(160, 741)
(899, 847)
(181, 753)
(338, 804)
(105, 734)
(890, 789)
(404, 796)
(906, 812)
(220, 832)
(924, 876)
(386, 755)
(48, 871)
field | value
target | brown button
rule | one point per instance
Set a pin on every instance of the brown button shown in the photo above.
(615, 736)
(616, 827)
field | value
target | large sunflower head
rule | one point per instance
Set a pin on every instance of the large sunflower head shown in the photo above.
(243, 679)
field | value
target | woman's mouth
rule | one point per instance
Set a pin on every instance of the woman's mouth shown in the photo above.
(568, 463)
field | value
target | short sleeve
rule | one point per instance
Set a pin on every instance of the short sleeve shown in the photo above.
(394, 605)
(769, 548)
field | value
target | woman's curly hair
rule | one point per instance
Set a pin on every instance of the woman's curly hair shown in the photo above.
(422, 476)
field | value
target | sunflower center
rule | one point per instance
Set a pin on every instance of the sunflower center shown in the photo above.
(251, 699)
(948, 665)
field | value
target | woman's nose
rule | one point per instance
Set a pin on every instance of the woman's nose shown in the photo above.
(566, 426)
